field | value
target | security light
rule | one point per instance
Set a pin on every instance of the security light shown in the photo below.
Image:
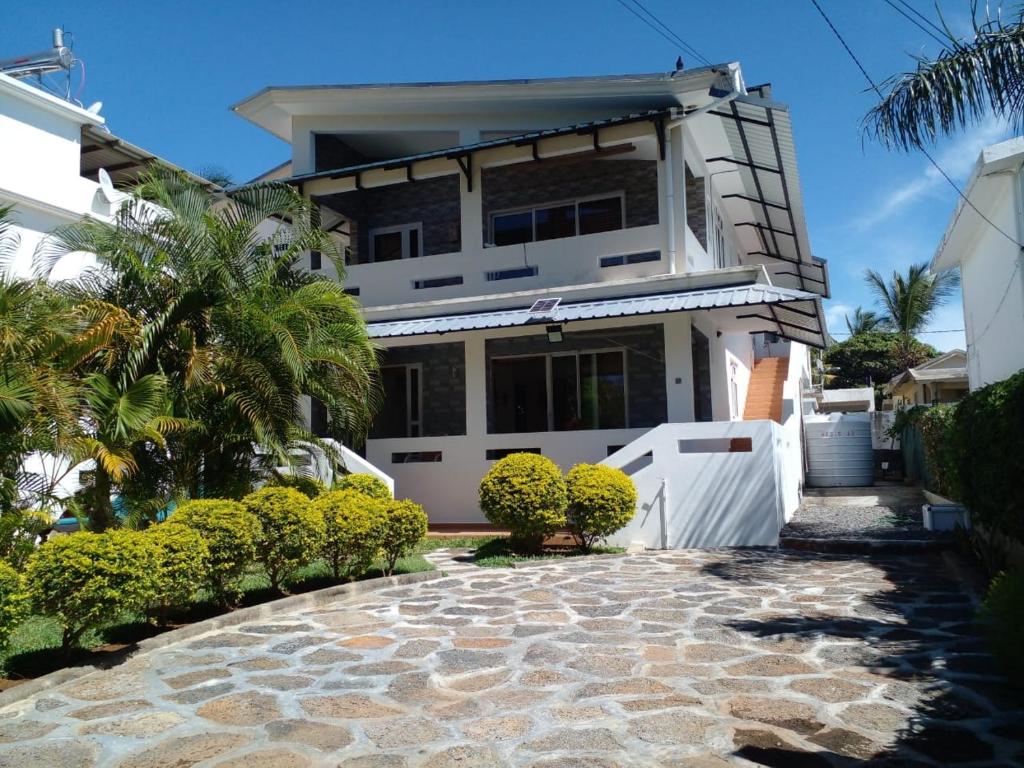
(554, 334)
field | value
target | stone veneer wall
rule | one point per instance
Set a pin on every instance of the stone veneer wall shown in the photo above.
(526, 184)
(444, 384)
(696, 207)
(645, 364)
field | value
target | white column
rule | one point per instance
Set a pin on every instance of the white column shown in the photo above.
(471, 212)
(678, 368)
(476, 387)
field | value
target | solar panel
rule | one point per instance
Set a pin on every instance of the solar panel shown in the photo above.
(544, 306)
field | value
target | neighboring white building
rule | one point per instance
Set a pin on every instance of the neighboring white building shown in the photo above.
(578, 267)
(991, 264)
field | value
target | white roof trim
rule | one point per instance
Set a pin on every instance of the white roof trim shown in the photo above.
(49, 102)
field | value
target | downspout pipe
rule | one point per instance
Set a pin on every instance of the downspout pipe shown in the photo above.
(670, 183)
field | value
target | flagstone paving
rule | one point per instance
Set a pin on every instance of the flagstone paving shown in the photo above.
(697, 659)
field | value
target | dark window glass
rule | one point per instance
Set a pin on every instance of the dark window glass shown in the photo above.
(414, 402)
(387, 246)
(512, 228)
(564, 393)
(520, 397)
(701, 353)
(392, 420)
(314, 260)
(610, 385)
(317, 418)
(559, 221)
(414, 243)
(600, 215)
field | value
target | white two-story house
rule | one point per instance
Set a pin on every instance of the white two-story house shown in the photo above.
(592, 268)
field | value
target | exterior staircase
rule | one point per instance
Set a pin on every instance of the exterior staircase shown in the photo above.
(764, 393)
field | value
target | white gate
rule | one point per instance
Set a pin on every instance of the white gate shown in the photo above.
(839, 449)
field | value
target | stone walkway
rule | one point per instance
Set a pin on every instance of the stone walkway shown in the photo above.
(697, 659)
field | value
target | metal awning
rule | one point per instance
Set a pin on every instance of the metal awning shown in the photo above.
(124, 161)
(791, 313)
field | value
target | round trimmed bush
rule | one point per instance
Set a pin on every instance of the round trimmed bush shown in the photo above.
(13, 602)
(405, 525)
(524, 492)
(85, 580)
(366, 484)
(354, 524)
(308, 486)
(291, 533)
(182, 566)
(601, 501)
(230, 533)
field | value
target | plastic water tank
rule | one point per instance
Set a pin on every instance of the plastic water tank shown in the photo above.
(839, 450)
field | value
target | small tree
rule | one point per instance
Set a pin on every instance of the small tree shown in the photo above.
(182, 566)
(871, 357)
(366, 484)
(601, 501)
(405, 525)
(354, 524)
(525, 493)
(230, 532)
(291, 533)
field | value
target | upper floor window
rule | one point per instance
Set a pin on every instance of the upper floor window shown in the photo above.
(584, 216)
(718, 243)
(392, 243)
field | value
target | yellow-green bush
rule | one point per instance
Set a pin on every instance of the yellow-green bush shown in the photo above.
(366, 484)
(405, 525)
(354, 524)
(291, 534)
(525, 493)
(13, 602)
(309, 486)
(182, 566)
(230, 533)
(601, 501)
(85, 580)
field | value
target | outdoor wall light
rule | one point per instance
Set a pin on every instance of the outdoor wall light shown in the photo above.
(554, 334)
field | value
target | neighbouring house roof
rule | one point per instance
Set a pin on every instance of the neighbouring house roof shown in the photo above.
(982, 190)
(936, 370)
(123, 160)
(789, 312)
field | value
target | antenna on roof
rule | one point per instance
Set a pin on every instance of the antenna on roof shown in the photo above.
(106, 186)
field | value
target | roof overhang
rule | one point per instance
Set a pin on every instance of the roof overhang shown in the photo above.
(23, 91)
(123, 160)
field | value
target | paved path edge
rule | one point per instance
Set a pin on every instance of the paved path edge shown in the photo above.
(312, 599)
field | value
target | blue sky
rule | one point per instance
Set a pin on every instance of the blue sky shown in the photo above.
(167, 73)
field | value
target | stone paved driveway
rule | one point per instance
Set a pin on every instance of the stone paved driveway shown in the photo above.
(698, 659)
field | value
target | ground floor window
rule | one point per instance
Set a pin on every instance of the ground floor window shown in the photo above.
(701, 356)
(403, 402)
(559, 392)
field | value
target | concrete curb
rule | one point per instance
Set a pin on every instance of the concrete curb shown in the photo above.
(865, 546)
(313, 599)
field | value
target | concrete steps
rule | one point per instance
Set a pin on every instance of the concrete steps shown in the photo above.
(764, 392)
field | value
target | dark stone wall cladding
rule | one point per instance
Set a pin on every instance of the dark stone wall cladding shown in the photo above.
(696, 208)
(444, 384)
(645, 364)
(433, 202)
(526, 184)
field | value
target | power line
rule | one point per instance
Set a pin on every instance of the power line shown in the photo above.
(663, 30)
(916, 333)
(942, 33)
(915, 22)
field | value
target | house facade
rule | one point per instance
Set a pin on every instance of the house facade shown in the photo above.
(942, 379)
(982, 240)
(595, 269)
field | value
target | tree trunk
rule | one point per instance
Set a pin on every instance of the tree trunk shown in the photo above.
(102, 513)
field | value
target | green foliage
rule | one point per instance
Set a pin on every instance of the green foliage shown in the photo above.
(874, 356)
(602, 500)
(525, 492)
(291, 533)
(182, 566)
(309, 486)
(85, 579)
(864, 321)
(366, 484)
(405, 526)
(230, 532)
(938, 431)
(19, 529)
(1002, 611)
(14, 606)
(909, 302)
(354, 524)
(988, 442)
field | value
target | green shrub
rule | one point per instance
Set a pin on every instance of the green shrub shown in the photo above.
(938, 427)
(309, 486)
(354, 524)
(989, 444)
(13, 602)
(230, 532)
(19, 530)
(291, 534)
(525, 493)
(405, 525)
(85, 580)
(366, 484)
(182, 566)
(601, 501)
(1002, 611)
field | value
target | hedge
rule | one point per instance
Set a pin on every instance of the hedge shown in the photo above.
(182, 566)
(366, 484)
(14, 606)
(1002, 611)
(938, 433)
(354, 524)
(308, 486)
(602, 500)
(405, 525)
(524, 492)
(290, 534)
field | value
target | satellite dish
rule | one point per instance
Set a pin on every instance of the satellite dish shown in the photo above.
(95, 107)
(107, 186)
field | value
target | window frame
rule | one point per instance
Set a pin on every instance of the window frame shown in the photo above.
(404, 229)
(409, 420)
(574, 201)
(549, 383)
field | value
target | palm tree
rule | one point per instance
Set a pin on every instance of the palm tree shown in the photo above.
(864, 321)
(963, 83)
(909, 301)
